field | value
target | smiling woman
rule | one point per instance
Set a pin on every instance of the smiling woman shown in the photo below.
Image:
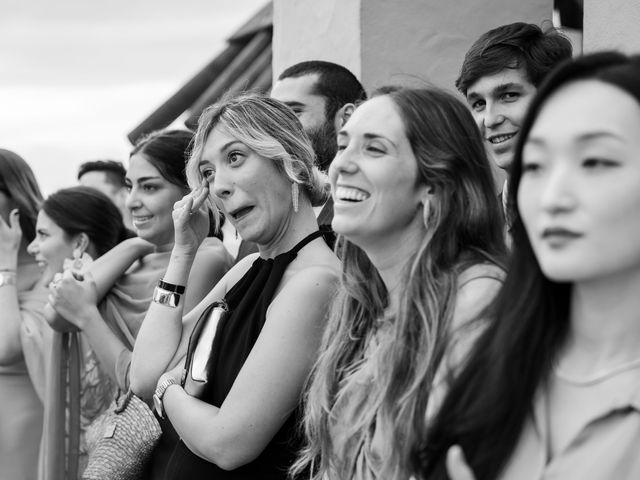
(420, 239)
(76, 223)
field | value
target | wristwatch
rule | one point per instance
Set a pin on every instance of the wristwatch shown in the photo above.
(157, 396)
(7, 278)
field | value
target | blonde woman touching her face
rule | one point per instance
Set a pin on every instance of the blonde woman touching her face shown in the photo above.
(253, 159)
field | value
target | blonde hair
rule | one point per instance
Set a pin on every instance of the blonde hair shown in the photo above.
(270, 129)
(464, 228)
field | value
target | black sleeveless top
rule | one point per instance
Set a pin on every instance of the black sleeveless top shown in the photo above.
(237, 332)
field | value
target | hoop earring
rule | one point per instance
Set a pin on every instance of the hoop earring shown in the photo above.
(295, 194)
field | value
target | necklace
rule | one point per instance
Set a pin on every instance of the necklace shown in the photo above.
(586, 380)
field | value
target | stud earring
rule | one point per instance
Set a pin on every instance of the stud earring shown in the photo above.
(295, 194)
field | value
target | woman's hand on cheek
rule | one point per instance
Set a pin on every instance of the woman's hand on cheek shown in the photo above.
(10, 238)
(191, 220)
(457, 466)
(74, 298)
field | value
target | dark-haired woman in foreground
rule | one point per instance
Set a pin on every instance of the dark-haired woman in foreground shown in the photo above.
(421, 236)
(552, 389)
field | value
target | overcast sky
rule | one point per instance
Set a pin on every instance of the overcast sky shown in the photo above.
(76, 76)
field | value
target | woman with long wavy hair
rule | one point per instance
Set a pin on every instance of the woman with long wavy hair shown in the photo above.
(420, 238)
(551, 389)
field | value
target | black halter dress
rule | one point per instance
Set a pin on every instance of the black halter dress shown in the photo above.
(236, 333)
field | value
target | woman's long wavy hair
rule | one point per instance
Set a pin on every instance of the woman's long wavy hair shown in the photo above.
(465, 227)
(19, 183)
(269, 128)
(485, 408)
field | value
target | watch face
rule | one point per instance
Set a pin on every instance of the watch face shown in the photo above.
(7, 279)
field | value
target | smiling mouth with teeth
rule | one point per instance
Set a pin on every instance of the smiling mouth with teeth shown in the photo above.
(501, 138)
(351, 194)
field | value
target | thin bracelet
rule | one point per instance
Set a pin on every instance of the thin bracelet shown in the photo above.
(179, 289)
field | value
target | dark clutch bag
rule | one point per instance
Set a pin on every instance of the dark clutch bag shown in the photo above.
(124, 436)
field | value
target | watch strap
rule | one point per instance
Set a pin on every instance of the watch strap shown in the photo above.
(158, 396)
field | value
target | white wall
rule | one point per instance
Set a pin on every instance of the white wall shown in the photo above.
(400, 41)
(611, 25)
(316, 30)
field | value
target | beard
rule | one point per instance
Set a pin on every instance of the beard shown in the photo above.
(325, 145)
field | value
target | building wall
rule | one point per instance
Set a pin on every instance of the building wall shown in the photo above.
(611, 25)
(316, 30)
(404, 41)
(425, 40)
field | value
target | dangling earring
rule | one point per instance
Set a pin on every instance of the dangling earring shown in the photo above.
(81, 260)
(295, 193)
(425, 214)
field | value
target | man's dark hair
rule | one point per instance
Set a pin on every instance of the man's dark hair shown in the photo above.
(335, 83)
(114, 171)
(517, 45)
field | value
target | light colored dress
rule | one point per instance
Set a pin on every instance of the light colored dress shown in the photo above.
(123, 309)
(360, 447)
(605, 447)
(21, 410)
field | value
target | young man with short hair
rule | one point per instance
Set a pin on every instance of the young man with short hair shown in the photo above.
(499, 76)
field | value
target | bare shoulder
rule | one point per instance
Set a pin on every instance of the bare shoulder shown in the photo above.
(477, 287)
(308, 287)
(314, 265)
